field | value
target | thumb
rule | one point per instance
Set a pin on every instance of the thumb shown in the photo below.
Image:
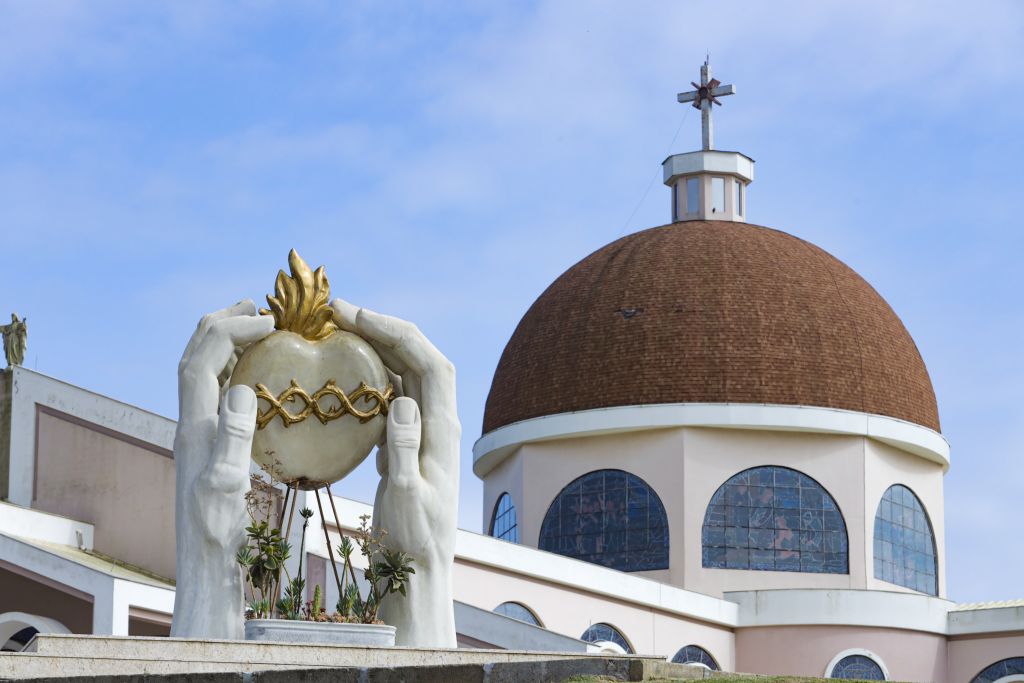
(403, 451)
(229, 466)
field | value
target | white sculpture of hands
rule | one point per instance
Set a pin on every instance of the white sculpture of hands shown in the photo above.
(418, 495)
(211, 460)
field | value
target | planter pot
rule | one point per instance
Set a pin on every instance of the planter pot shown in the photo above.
(288, 631)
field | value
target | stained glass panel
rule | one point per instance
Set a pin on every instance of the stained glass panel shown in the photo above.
(503, 523)
(1014, 666)
(611, 518)
(517, 611)
(695, 654)
(858, 668)
(777, 519)
(599, 632)
(904, 545)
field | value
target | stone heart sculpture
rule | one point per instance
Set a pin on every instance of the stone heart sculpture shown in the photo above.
(322, 393)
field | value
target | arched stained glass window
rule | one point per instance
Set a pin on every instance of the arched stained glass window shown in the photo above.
(857, 667)
(774, 518)
(604, 632)
(611, 518)
(1014, 666)
(695, 654)
(518, 611)
(503, 521)
(904, 543)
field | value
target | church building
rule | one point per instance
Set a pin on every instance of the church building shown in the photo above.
(710, 441)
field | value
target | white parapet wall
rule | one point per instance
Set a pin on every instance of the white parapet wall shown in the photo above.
(43, 526)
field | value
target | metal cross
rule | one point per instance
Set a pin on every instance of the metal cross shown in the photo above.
(703, 97)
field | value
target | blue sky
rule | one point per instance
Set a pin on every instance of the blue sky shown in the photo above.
(448, 161)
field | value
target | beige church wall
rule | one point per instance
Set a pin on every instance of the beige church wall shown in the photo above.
(570, 612)
(121, 485)
(885, 466)
(32, 391)
(655, 456)
(808, 651)
(969, 655)
(20, 593)
(715, 455)
(507, 477)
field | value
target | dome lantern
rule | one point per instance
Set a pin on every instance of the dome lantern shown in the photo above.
(708, 184)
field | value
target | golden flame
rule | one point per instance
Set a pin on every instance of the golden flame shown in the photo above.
(301, 301)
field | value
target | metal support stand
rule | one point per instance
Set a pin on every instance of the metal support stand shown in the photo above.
(327, 535)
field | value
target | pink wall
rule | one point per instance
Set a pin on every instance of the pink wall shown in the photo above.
(807, 650)
(969, 655)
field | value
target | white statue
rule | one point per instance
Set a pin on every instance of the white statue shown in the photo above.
(418, 496)
(211, 461)
(416, 502)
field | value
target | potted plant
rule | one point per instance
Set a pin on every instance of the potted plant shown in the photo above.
(277, 610)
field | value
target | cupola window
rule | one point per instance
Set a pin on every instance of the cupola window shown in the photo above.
(611, 518)
(692, 195)
(904, 543)
(503, 521)
(774, 518)
(717, 195)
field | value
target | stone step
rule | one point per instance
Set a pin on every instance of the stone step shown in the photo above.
(62, 656)
(554, 671)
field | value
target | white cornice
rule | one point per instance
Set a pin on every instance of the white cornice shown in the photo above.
(869, 608)
(841, 607)
(986, 620)
(491, 448)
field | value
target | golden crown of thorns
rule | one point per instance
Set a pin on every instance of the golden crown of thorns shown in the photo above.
(345, 403)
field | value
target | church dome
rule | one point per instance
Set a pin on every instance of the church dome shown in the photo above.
(710, 312)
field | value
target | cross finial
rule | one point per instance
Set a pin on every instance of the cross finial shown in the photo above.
(703, 97)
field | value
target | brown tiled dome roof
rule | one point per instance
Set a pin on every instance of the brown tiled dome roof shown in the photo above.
(710, 312)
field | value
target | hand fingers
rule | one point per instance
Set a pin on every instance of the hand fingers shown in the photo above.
(428, 376)
(403, 448)
(235, 429)
(396, 382)
(243, 307)
(219, 490)
(404, 339)
(411, 387)
(199, 388)
(345, 315)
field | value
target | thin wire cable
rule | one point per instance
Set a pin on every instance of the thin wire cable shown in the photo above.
(643, 198)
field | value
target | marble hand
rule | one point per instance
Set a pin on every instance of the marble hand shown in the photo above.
(212, 447)
(417, 499)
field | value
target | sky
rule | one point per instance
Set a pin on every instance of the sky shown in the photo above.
(447, 161)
